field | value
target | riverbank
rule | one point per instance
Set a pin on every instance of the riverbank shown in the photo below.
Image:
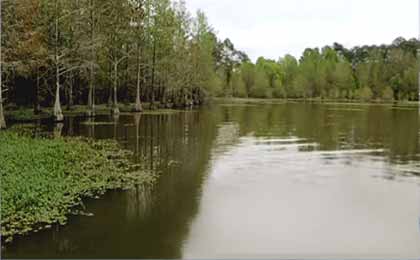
(309, 100)
(27, 114)
(44, 180)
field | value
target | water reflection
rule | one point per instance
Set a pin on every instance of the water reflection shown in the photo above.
(140, 201)
(137, 119)
(293, 203)
(90, 123)
(286, 180)
(58, 129)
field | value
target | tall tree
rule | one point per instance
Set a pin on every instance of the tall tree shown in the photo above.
(248, 76)
(92, 47)
(116, 44)
(290, 67)
(202, 48)
(58, 114)
(2, 120)
(139, 32)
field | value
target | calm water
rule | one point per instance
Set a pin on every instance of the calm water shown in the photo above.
(264, 181)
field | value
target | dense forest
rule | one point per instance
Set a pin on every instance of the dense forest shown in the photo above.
(386, 72)
(88, 52)
(93, 51)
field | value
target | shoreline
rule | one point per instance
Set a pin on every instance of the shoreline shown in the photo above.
(26, 115)
(230, 100)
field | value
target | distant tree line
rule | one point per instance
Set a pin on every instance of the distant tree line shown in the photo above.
(386, 72)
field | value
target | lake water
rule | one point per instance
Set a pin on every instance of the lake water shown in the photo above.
(254, 181)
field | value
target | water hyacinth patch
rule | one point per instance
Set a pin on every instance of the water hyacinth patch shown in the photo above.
(43, 180)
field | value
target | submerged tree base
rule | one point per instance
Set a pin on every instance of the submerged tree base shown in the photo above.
(27, 114)
(44, 180)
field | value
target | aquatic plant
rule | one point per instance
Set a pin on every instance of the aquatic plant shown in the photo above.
(43, 180)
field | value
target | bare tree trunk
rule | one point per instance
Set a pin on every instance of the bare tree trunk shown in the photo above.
(110, 97)
(58, 114)
(58, 130)
(37, 108)
(138, 107)
(91, 108)
(152, 101)
(70, 101)
(185, 98)
(110, 87)
(115, 109)
(91, 97)
(2, 120)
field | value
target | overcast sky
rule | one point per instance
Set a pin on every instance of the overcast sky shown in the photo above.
(273, 28)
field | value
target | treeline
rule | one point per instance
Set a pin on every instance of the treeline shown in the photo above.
(386, 72)
(93, 51)
(87, 52)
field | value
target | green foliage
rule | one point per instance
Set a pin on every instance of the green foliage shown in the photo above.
(238, 86)
(364, 94)
(44, 179)
(289, 67)
(279, 90)
(98, 50)
(368, 72)
(388, 94)
(158, 49)
(248, 76)
(343, 80)
(25, 115)
(261, 88)
(21, 115)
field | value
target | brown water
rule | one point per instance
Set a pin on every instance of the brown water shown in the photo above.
(263, 181)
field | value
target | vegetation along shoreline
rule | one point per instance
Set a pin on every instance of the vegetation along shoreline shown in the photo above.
(44, 180)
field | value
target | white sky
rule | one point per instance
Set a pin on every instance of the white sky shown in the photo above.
(273, 28)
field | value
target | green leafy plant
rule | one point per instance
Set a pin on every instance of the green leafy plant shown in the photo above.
(44, 179)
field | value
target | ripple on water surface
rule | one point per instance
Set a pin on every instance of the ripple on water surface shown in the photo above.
(284, 197)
